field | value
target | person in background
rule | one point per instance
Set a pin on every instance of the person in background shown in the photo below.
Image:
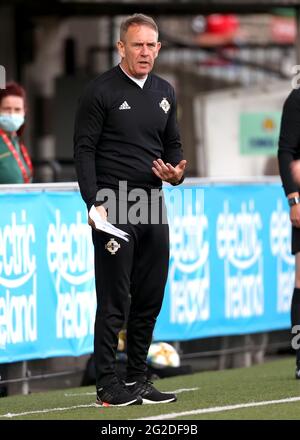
(15, 163)
(288, 153)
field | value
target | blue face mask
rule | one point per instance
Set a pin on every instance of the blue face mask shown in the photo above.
(11, 122)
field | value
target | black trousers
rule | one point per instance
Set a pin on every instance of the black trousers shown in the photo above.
(138, 268)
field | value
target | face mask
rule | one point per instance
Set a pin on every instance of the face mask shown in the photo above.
(11, 122)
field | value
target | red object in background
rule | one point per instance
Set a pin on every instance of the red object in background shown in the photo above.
(283, 29)
(222, 24)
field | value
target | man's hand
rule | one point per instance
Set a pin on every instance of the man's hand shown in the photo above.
(294, 211)
(167, 172)
(103, 214)
(295, 215)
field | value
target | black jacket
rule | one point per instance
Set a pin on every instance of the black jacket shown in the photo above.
(120, 129)
(289, 140)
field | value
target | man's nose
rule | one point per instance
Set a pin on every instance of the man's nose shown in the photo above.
(145, 50)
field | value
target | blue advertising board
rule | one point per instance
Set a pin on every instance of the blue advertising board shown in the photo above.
(231, 271)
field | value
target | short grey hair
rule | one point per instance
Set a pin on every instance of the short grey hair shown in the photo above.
(137, 20)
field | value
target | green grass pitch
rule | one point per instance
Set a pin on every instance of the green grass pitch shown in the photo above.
(208, 395)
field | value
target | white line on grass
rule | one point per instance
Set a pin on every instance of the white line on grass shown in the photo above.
(164, 416)
(220, 409)
(80, 394)
(181, 390)
(43, 411)
(49, 410)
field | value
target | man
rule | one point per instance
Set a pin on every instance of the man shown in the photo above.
(126, 130)
(289, 150)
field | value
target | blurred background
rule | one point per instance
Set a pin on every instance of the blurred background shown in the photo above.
(231, 63)
(241, 51)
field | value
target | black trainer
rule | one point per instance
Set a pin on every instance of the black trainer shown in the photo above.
(116, 394)
(148, 393)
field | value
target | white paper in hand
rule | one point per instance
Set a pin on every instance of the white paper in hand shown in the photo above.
(105, 226)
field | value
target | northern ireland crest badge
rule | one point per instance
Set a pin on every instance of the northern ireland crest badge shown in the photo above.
(112, 246)
(165, 105)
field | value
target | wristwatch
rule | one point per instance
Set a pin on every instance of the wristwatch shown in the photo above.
(293, 201)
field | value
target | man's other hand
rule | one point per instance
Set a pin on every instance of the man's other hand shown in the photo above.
(168, 173)
(103, 214)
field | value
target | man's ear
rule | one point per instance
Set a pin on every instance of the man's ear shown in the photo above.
(158, 46)
(121, 48)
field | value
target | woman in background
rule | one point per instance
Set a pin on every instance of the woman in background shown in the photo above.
(15, 163)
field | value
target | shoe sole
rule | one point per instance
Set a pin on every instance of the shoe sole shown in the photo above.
(106, 404)
(151, 402)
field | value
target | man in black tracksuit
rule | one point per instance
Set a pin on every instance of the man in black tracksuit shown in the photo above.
(126, 131)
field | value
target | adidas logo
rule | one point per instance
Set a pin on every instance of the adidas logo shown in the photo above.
(124, 106)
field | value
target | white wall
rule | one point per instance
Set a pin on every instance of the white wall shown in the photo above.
(217, 124)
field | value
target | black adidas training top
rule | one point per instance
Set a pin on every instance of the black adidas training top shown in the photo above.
(120, 129)
(289, 140)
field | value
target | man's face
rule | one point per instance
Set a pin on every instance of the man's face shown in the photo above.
(139, 50)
